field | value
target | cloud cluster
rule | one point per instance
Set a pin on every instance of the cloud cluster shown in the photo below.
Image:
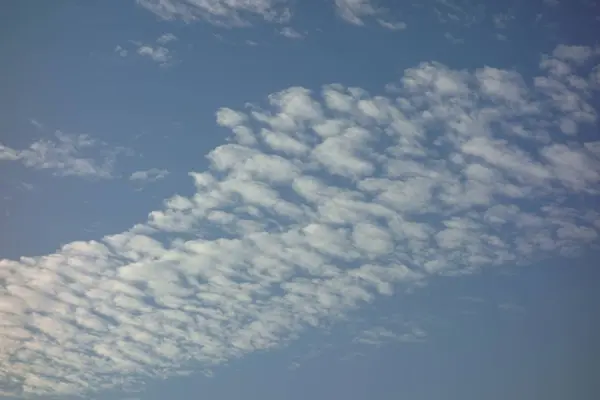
(319, 203)
(64, 154)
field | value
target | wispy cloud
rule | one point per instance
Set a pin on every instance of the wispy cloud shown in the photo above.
(241, 13)
(150, 175)
(65, 155)
(219, 12)
(319, 204)
(290, 33)
(353, 11)
(166, 38)
(392, 26)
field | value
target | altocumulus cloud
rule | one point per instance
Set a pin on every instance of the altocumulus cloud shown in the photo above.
(320, 203)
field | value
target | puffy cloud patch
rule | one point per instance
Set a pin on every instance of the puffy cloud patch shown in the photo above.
(318, 204)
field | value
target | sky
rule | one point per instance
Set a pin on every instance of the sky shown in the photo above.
(324, 199)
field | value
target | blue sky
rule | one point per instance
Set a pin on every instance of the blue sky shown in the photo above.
(299, 199)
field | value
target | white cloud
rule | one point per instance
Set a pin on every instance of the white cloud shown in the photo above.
(219, 12)
(159, 54)
(64, 154)
(241, 13)
(575, 54)
(150, 175)
(392, 26)
(290, 33)
(339, 197)
(166, 38)
(353, 11)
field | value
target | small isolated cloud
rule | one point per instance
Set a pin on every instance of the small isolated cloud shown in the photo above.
(150, 175)
(64, 154)
(290, 33)
(392, 26)
(121, 51)
(230, 13)
(320, 203)
(36, 123)
(158, 54)
(166, 38)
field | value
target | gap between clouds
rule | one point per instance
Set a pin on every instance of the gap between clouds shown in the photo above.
(320, 203)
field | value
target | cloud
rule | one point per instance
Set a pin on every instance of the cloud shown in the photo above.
(121, 51)
(392, 26)
(319, 203)
(64, 155)
(219, 12)
(353, 11)
(159, 54)
(452, 12)
(240, 13)
(150, 175)
(290, 33)
(166, 38)
(357, 11)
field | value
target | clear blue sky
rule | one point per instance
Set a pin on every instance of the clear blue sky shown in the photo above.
(328, 199)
